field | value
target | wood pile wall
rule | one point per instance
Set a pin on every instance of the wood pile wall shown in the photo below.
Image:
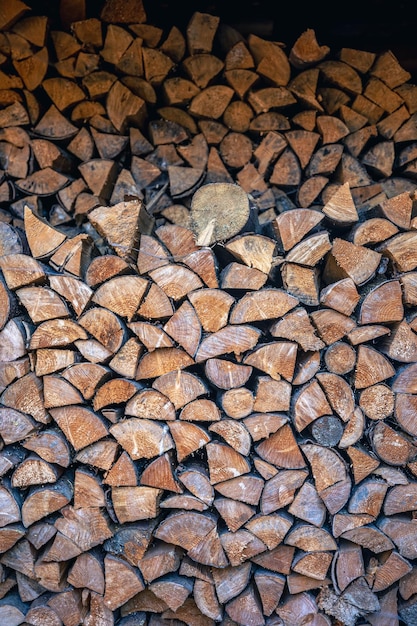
(208, 339)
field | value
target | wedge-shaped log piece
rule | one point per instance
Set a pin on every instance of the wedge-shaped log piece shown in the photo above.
(281, 449)
(15, 426)
(400, 499)
(115, 391)
(56, 333)
(93, 351)
(73, 290)
(275, 359)
(230, 581)
(353, 430)
(296, 326)
(51, 446)
(234, 275)
(313, 564)
(308, 506)
(185, 328)
(86, 527)
(368, 497)
(25, 395)
(400, 250)
(392, 570)
(226, 374)
(121, 226)
(122, 473)
(310, 250)
(362, 463)
(348, 260)
(363, 334)
(160, 474)
(45, 182)
(211, 102)
(241, 546)
(261, 425)
(401, 344)
(176, 280)
(205, 597)
(80, 425)
(125, 361)
(10, 507)
(224, 462)
(391, 446)
(404, 411)
(203, 262)
(162, 361)
(246, 608)
(43, 239)
(186, 529)
(230, 339)
(406, 380)
(122, 295)
(268, 303)
(33, 471)
(246, 489)
(104, 267)
(401, 531)
(100, 455)
(151, 336)
(159, 559)
(42, 303)
(172, 589)
(338, 393)
(183, 181)
(271, 529)
(234, 512)
(349, 564)
(310, 538)
(132, 112)
(270, 587)
(371, 367)
(150, 404)
(135, 503)
(341, 295)
(105, 326)
(195, 479)
(302, 282)
(86, 377)
(291, 226)
(310, 403)
(212, 307)
(187, 438)
(331, 325)
(327, 466)
(341, 209)
(142, 438)
(13, 340)
(42, 501)
(279, 491)
(253, 250)
(383, 305)
(20, 270)
(180, 387)
(234, 433)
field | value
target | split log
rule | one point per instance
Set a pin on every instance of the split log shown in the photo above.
(207, 392)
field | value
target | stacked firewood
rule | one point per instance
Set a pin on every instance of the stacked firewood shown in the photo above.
(208, 340)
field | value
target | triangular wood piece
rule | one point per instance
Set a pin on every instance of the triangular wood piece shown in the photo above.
(121, 226)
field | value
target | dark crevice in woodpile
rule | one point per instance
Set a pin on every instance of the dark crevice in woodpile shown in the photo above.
(208, 340)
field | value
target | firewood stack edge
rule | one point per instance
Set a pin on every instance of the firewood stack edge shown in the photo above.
(208, 339)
